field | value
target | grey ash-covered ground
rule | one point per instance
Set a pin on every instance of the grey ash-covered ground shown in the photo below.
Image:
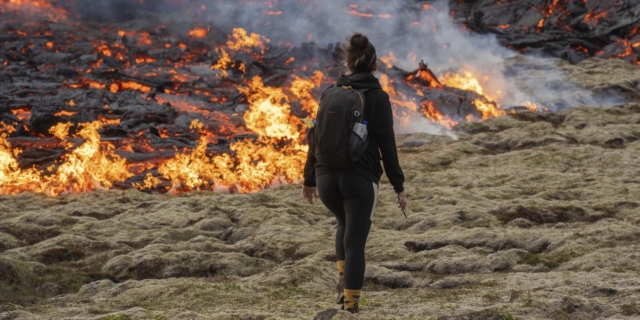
(526, 216)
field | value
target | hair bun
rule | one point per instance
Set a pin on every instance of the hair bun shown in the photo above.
(359, 41)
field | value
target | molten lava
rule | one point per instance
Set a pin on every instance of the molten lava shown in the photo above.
(242, 106)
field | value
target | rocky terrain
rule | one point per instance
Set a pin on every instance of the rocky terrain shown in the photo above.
(526, 216)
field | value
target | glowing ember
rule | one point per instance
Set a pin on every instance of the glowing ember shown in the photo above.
(360, 14)
(65, 113)
(22, 113)
(593, 17)
(199, 33)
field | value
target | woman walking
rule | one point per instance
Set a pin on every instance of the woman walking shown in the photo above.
(351, 193)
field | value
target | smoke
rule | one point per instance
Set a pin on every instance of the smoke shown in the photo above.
(422, 124)
(412, 31)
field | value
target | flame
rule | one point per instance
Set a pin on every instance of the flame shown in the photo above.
(432, 113)
(85, 168)
(405, 107)
(486, 105)
(301, 88)
(389, 60)
(239, 39)
(60, 130)
(223, 63)
(257, 164)
(464, 82)
(12, 178)
(270, 112)
(149, 182)
(430, 78)
(317, 78)
(88, 166)
(489, 109)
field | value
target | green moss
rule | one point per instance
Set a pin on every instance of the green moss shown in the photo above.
(263, 198)
(630, 309)
(286, 293)
(119, 316)
(549, 260)
(505, 315)
(491, 297)
(183, 236)
(18, 280)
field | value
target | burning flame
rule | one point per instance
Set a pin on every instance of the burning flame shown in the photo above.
(389, 60)
(486, 105)
(257, 164)
(239, 39)
(406, 108)
(301, 88)
(268, 115)
(87, 167)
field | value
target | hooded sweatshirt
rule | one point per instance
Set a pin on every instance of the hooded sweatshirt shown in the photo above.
(382, 146)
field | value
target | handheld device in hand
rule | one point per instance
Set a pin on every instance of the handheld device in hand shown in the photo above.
(403, 210)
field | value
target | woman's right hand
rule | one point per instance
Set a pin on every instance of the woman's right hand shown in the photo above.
(309, 193)
(402, 200)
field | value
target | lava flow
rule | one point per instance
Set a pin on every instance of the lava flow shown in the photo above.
(88, 106)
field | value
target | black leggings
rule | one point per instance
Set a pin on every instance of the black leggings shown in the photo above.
(352, 199)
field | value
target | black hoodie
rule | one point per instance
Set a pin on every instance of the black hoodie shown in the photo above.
(377, 111)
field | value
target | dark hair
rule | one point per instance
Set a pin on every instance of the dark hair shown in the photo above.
(360, 54)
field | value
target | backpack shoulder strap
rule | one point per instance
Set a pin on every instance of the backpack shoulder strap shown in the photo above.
(364, 101)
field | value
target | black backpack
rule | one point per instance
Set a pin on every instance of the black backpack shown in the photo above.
(340, 108)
